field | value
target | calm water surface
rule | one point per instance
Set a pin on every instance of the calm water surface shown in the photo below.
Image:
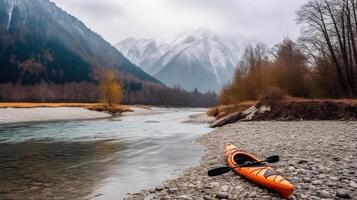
(96, 159)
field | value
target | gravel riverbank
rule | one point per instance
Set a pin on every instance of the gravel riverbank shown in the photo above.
(22, 115)
(318, 157)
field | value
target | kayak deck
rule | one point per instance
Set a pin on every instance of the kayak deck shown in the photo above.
(262, 174)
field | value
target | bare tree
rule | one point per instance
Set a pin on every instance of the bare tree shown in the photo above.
(330, 37)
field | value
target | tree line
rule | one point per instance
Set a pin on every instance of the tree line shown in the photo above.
(132, 93)
(321, 64)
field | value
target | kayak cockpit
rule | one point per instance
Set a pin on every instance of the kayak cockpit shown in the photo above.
(245, 159)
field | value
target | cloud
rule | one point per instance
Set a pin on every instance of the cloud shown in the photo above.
(94, 9)
(266, 20)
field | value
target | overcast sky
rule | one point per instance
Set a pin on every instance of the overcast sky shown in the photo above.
(266, 20)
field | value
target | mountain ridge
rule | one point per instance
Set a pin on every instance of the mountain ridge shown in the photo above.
(198, 49)
(37, 33)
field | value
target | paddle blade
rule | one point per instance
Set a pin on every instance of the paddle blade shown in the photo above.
(218, 171)
(273, 159)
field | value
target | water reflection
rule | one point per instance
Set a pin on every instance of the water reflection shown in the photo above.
(96, 159)
(54, 170)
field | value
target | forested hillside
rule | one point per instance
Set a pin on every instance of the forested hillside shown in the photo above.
(41, 42)
(44, 50)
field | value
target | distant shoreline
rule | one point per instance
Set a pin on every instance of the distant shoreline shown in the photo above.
(44, 104)
(43, 114)
(24, 112)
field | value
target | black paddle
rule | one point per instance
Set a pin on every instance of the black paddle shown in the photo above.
(223, 170)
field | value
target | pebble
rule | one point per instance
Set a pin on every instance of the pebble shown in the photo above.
(172, 190)
(353, 184)
(302, 162)
(331, 184)
(312, 187)
(238, 187)
(303, 196)
(253, 194)
(291, 168)
(206, 197)
(222, 195)
(159, 188)
(316, 182)
(322, 176)
(343, 194)
(214, 184)
(324, 194)
(307, 180)
(225, 188)
(184, 197)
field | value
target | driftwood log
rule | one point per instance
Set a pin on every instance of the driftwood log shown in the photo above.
(234, 117)
(247, 115)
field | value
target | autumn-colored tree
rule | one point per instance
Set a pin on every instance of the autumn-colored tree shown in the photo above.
(110, 88)
(291, 72)
(259, 71)
(251, 77)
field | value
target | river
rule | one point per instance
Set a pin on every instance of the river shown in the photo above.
(96, 159)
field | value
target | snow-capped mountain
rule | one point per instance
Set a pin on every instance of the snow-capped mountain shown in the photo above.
(191, 59)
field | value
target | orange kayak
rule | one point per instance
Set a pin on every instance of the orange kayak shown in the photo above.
(261, 174)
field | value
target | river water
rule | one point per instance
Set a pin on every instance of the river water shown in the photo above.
(96, 159)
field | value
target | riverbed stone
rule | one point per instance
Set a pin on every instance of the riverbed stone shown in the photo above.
(172, 190)
(316, 182)
(307, 180)
(184, 197)
(322, 176)
(206, 197)
(303, 196)
(222, 195)
(214, 184)
(345, 194)
(324, 194)
(353, 184)
(331, 184)
(224, 188)
(159, 188)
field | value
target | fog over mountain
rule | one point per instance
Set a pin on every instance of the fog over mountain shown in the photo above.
(193, 59)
